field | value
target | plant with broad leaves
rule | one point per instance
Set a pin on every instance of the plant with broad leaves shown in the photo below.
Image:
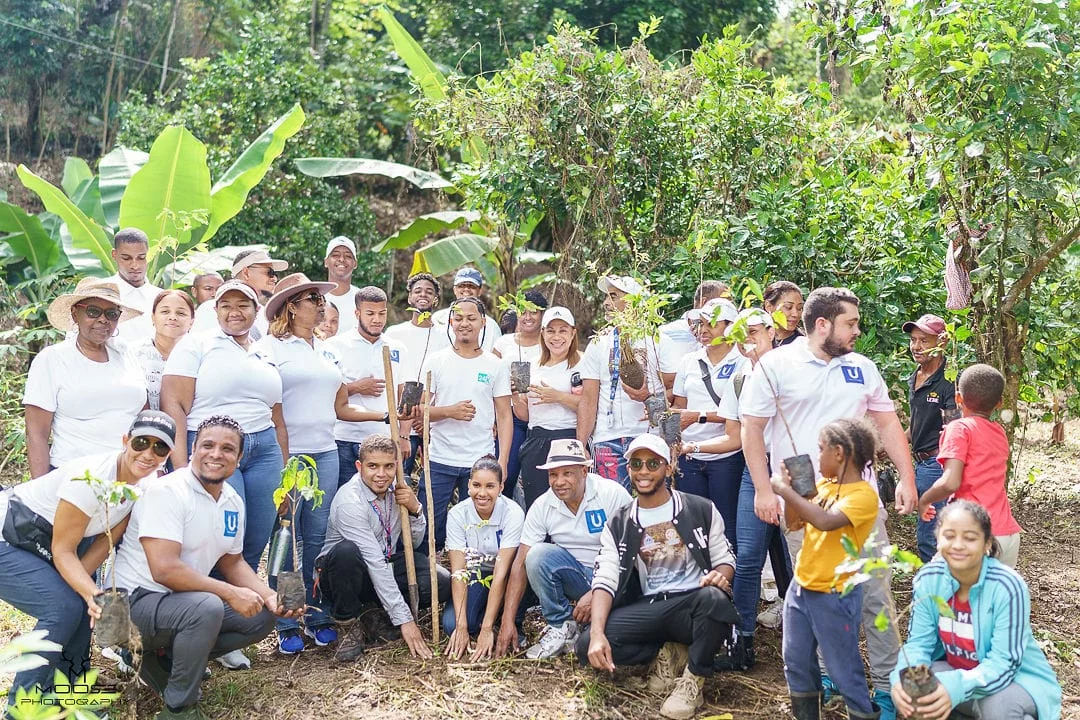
(76, 698)
(299, 482)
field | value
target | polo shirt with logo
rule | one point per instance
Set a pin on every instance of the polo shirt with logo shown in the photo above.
(360, 358)
(176, 507)
(929, 402)
(690, 384)
(578, 533)
(617, 415)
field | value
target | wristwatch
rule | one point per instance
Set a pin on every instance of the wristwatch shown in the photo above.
(386, 417)
(702, 418)
(419, 511)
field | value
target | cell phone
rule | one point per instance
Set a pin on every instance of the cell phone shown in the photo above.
(575, 380)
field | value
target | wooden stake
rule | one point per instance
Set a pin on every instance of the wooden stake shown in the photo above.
(406, 531)
(431, 514)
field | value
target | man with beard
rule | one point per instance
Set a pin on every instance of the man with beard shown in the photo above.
(130, 248)
(420, 337)
(256, 269)
(360, 353)
(340, 263)
(187, 524)
(809, 383)
(661, 584)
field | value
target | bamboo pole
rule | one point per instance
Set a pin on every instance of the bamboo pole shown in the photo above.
(432, 565)
(406, 531)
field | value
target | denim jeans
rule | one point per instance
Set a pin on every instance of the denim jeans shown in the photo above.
(756, 539)
(927, 473)
(444, 479)
(255, 479)
(475, 607)
(609, 460)
(513, 465)
(34, 587)
(558, 579)
(347, 453)
(829, 622)
(310, 533)
(718, 480)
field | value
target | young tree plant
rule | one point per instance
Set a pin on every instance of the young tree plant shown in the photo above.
(299, 482)
(519, 369)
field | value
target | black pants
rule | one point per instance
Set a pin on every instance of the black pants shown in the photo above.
(345, 584)
(534, 452)
(700, 619)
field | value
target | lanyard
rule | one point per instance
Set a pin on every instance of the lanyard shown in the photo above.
(384, 521)
(613, 366)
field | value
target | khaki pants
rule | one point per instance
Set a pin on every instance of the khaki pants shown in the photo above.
(1010, 549)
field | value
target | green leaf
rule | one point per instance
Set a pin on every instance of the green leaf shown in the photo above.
(943, 607)
(424, 225)
(881, 621)
(84, 261)
(175, 180)
(84, 232)
(849, 546)
(27, 237)
(231, 190)
(87, 197)
(450, 253)
(76, 172)
(115, 172)
(335, 167)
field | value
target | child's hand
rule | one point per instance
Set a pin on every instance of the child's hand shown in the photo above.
(781, 481)
(927, 512)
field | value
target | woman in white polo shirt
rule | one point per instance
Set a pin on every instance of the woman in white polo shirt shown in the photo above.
(83, 391)
(313, 397)
(172, 313)
(46, 520)
(550, 407)
(212, 372)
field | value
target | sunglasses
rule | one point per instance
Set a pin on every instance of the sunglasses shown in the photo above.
(653, 464)
(314, 298)
(94, 312)
(139, 444)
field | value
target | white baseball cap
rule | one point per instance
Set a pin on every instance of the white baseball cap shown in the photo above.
(236, 286)
(754, 316)
(716, 310)
(340, 241)
(625, 283)
(557, 312)
(653, 443)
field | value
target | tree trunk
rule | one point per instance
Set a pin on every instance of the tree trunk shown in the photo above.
(33, 115)
(168, 46)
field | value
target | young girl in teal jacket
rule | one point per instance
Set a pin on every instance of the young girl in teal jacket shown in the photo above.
(985, 658)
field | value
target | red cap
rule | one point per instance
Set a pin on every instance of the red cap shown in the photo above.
(930, 324)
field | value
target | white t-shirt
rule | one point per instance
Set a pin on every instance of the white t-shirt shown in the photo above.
(176, 507)
(812, 393)
(346, 306)
(228, 380)
(676, 342)
(690, 384)
(621, 416)
(553, 416)
(142, 299)
(664, 563)
(153, 364)
(465, 531)
(491, 331)
(360, 358)
(579, 533)
(458, 443)
(92, 403)
(508, 347)
(310, 380)
(43, 494)
(419, 343)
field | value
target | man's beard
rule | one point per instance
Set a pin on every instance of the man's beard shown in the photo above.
(367, 331)
(832, 348)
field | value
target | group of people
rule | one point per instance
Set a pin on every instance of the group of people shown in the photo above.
(560, 495)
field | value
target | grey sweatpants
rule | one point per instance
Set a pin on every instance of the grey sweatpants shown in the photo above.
(191, 628)
(1012, 703)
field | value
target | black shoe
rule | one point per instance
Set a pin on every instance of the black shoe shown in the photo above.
(737, 656)
(351, 644)
(378, 628)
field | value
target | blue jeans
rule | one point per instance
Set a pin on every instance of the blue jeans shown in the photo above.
(756, 538)
(475, 607)
(927, 472)
(255, 479)
(719, 481)
(558, 579)
(34, 587)
(513, 464)
(825, 620)
(609, 460)
(444, 479)
(310, 533)
(347, 453)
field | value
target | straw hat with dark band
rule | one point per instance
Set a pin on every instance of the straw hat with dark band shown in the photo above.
(59, 312)
(289, 286)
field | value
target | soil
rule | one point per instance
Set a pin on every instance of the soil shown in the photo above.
(112, 628)
(290, 590)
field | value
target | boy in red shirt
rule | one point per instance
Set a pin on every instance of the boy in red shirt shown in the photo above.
(975, 455)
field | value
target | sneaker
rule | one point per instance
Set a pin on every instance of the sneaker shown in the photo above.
(322, 635)
(738, 655)
(668, 665)
(121, 657)
(830, 693)
(352, 644)
(769, 593)
(290, 642)
(884, 702)
(554, 641)
(773, 616)
(235, 660)
(192, 712)
(685, 699)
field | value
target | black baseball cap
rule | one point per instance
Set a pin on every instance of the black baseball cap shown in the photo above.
(154, 423)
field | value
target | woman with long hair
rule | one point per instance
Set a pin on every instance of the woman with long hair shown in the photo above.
(785, 297)
(172, 313)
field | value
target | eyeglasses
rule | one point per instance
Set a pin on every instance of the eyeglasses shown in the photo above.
(653, 464)
(269, 272)
(314, 298)
(139, 444)
(94, 312)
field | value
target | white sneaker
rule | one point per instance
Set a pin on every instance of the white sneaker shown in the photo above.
(773, 616)
(235, 660)
(769, 592)
(122, 662)
(554, 641)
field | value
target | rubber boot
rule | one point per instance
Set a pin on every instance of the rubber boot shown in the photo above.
(806, 707)
(874, 714)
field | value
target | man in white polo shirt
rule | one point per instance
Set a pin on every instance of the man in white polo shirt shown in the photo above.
(360, 352)
(810, 383)
(256, 269)
(187, 524)
(340, 263)
(130, 248)
(559, 544)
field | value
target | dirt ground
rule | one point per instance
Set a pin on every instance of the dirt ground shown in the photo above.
(387, 683)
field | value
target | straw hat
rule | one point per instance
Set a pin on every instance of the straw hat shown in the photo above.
(59, 312)
(289, 286)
